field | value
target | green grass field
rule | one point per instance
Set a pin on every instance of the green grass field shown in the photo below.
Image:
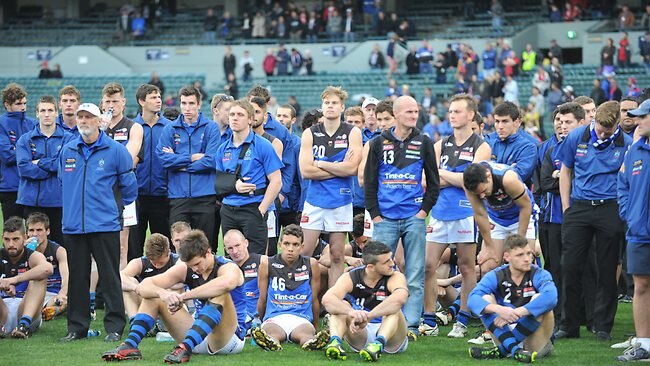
(43, 348)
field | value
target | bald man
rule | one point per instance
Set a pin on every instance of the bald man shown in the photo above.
(396, 199)
(236, 245)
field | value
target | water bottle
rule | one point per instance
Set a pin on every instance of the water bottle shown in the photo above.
(164, 337)
(106, 119)
(32, 243)
(94, 333)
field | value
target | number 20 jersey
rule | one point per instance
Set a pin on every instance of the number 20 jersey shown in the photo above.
(334, 192)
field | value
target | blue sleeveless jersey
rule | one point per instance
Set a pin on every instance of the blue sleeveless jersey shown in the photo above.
(500, 206)
(452, 202)
(334, 192)
(289, 289)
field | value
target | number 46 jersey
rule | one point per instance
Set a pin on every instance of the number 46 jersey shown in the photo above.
(289, 290)
(334, 192)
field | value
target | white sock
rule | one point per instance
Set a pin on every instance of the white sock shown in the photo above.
(645, 343)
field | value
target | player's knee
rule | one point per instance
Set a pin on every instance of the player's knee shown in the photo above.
(490, 298)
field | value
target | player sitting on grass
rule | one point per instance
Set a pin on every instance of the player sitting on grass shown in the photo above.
(218, 325)
(158, 258)
(288, 303)
(515, 302)
(23, 275)
(365, 306)
(56, 295)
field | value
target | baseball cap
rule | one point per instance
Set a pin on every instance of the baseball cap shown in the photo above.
(643, 109)
(369, 101)
(568, 89)
(90, 108)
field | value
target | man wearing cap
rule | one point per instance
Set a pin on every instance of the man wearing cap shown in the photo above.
(633, 196)
(593, 154)
(371, 127)
(97, 177)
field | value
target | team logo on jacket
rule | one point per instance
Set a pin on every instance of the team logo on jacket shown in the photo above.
(636, 167)
(100, 164)
(617, 154)
(177, 139)
(581, 151)
(70, 164)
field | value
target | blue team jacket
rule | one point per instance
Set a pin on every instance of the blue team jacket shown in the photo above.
(39, 185)
(277, 130)
(152, 177)
(98, 181)
(516, 149)
(74, 130)
(634, 192)
(12, 126)
(189, 179)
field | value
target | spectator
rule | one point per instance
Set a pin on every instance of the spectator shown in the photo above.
(489, 57)
(155, 80)
(402, 32)
(538, 101)
(280, 28)
(292, 101)
(199, 87)
(597, 93)
(376, 60)
(312, 28)
(556, 73)
(226, 25)
(246, 30)
(625, 19)
(555, 16)
(259, 25)
(528, 58)
(644, 49)
(568, 95)
(511, 90)
(541, 80)
(296, 61)
(511, 65)
(440, 64)
(554, 97)
(348, 29)
(569, 14)
(607, 55)
(123, 25)
(246, 63)
(283, 60)
(229, 62)
(55, 73)
(392, 89)
(381, 29)
(645, 19)
(308, 62)
(45, 71)
(615, 92)
(210, 27)
(295, 27)
(412, 63)
(633, 90)
(391, 53)
(138, 26)
(231, 88)
(268, 65)
(496, 10)
(555, 51)
(391, 24)
(425, 58)
(624, 52)
(334, 23)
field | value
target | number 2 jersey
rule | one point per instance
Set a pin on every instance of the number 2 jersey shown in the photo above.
(364, 297)
(289, 289)
(453, 203)
(501, 208)
(507, 292)
(333, 192)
